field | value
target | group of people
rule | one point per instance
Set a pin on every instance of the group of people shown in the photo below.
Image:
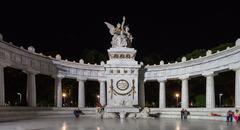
(233, 115)
(100, 109)
(184, 113)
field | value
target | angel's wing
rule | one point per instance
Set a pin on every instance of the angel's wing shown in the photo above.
(111, 28)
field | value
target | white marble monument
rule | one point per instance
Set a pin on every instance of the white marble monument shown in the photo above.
(121, 72)
(121, 80)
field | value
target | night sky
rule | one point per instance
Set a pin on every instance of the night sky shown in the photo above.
(170, 30)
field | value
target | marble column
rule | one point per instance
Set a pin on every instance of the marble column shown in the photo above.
(142, 94)
(81, 93)
(184, 95)
(102, 92)
(31, 89)
(2, 86)
(162, 94)
(210, 92)
(58, 91)
(237, 88)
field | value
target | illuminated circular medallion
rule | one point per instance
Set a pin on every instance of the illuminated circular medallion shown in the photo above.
(122, 85)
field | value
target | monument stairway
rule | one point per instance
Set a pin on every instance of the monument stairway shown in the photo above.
(195, 113)
(17, 113)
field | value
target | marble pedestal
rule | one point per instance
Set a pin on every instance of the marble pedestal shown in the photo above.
(122, 111)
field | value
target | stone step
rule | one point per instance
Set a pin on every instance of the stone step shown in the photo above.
(17, 113)
(195, 113)
(218, 118)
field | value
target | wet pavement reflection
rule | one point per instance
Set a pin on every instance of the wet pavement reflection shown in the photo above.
(90, 123)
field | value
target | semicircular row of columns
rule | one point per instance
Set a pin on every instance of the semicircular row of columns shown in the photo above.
(207, 66)
(34, 63)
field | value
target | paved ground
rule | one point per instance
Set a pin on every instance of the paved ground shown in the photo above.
(91, 123)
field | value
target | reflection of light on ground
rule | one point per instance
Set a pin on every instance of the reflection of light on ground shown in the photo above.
(98, 128)
(19, 128)
(177, 127)
(122, 121)
(222, 127)
(115, 124)
(64, 126)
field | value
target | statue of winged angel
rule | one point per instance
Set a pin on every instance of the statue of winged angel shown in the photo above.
(121, 36)
(112, 29)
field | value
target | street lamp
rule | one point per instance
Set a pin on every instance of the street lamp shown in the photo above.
(98, 98)
(220, 95)
(177, 95)
(64, 96)
(98, 104)
(20, 97)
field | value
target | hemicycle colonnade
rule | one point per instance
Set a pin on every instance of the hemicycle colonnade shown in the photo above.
(34, 63)
(207, 66)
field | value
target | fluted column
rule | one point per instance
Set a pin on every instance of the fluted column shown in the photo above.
(162, 94)
(31, 89)
(142, 94)
(210, 92)
(185, 93)
(58, 91)
(102, 92)
(2, 86)
(237, 88)
(81, 93)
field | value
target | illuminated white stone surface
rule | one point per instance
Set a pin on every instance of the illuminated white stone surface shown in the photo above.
(121, 77)
(86, 123)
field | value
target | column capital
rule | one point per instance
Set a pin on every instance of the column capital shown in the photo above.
(101, 80)
(31, 71)
(58, 76)
(235, 67)
(81, 79)
(184, 77)
(162, 80)
(4, 64)
(208, 73)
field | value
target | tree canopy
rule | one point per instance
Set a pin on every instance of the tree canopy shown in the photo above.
(93, 56)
